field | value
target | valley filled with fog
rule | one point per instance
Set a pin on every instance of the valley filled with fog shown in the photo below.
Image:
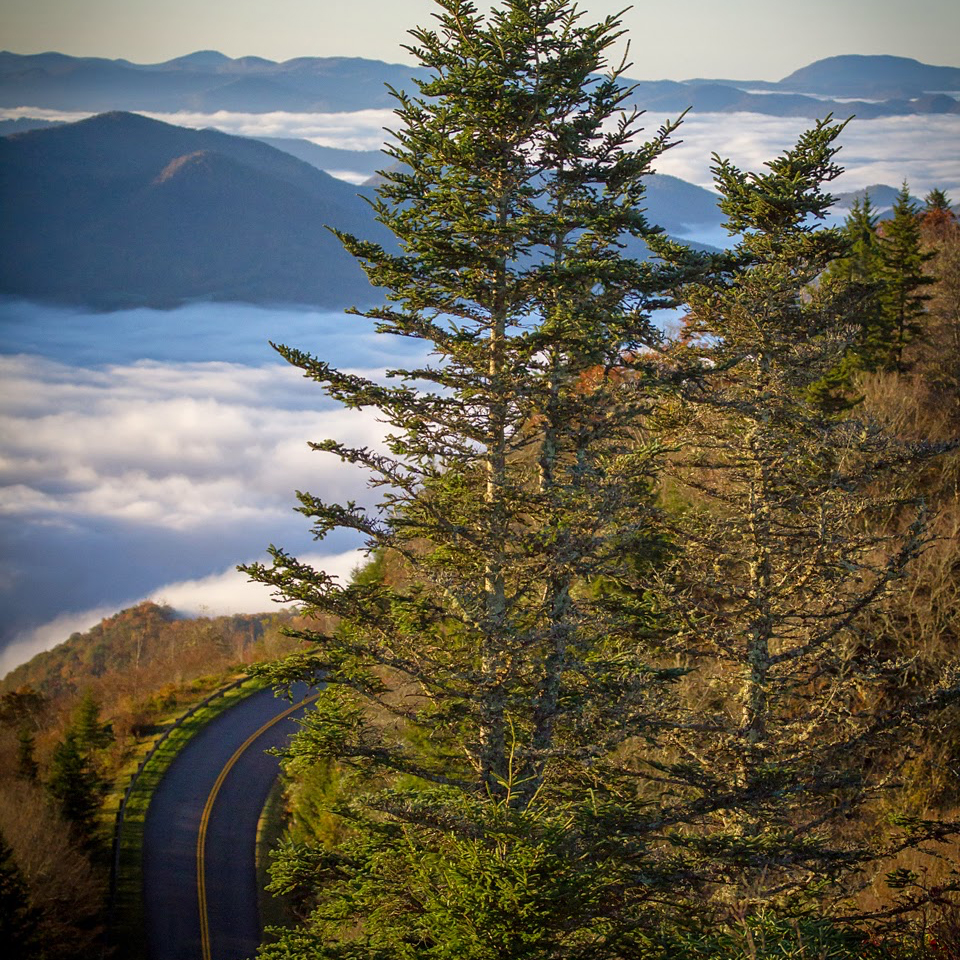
(921, 148)
(147, 452)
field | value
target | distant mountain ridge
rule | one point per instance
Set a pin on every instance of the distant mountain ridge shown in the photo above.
(884, 77)
(120, 210)
(207, 81)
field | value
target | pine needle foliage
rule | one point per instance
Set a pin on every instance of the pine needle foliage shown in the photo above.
(580, 718)
(858, 272)
(76, 787)
(901, 270)
(883, 273)
(466, 709)
(798, 522)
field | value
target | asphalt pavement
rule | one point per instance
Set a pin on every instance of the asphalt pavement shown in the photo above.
(213, 791)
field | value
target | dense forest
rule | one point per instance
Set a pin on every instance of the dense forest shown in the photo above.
(72, 721)
(657, 656)
(656, 652)
(881, 582)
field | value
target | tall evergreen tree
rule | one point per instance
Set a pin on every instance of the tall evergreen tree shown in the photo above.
(861, 260)
(902, 258)
(527, 766)
(937, 219)
(511, 482)
(857, 272)
(937, 201)
(76, 787)
(796, 524)
(19, 939)
(92, 733)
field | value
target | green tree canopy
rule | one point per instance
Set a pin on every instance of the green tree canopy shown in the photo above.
(572, 716)
(937, 201)
(92, 732)
(797, 522)
(75, 786)
(856, 271)
(511, 480)
(901, 271)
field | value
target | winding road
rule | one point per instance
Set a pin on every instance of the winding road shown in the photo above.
(199, 871)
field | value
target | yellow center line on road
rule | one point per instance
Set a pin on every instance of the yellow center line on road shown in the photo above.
(205, 819)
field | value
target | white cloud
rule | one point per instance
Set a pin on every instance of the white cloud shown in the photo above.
(921, 148)
(883, 150)
(350, 176)
(231, 591)
(350, 130)
(178, 446)
(42, 113)
(123, 477)
(354, 130)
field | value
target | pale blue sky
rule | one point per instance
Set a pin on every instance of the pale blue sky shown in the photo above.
(745, 39)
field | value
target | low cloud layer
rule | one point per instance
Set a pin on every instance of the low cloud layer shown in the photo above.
(920, 148)
(232, 592)
(146, 452)
(354, 130)
(183, 447)
(124, 479)
(357, 130)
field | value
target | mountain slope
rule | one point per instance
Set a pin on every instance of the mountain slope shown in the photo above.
(366, 162)
(871, 76)
(119, 210)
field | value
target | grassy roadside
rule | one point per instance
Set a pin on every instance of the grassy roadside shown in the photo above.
(128, 931)
(276, 910)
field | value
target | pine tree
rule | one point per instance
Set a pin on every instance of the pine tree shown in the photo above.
(76, 787)
(902, 259)
(939, 360)
(861, 261)
(18, 920)
(92, 733)
(466, 705)
(937, 201)
(938, 221)
(796, 523)
(857, 272)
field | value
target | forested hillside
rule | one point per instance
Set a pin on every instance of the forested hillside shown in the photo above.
(70, 720)
(119, 210)
(658, 654)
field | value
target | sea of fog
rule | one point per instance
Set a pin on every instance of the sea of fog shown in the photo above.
(921, 149)
(145, 453)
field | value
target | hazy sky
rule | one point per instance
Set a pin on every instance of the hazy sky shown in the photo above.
(745, 39)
